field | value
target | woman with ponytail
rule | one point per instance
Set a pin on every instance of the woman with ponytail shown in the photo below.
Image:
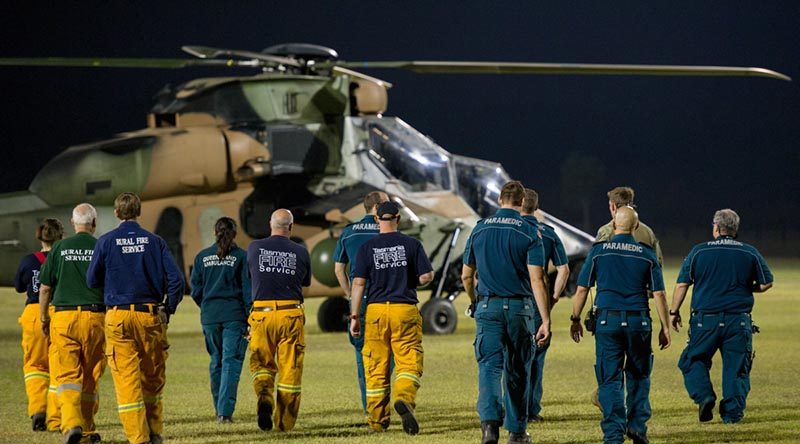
(42, 407)
(221, 288)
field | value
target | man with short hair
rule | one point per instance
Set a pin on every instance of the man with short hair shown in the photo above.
(624, 271)
(553, 253)
(623, 197)
(136, 270)
(394, 265)
(353, 236)
(76, 329)
(279, 268)
(725, 273)
(507, 253)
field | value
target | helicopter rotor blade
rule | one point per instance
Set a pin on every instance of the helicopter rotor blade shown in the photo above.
(445, 67)
(338, 70)
(205, 52)
(124, 62)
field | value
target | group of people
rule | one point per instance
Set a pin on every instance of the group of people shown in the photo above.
(107, 301)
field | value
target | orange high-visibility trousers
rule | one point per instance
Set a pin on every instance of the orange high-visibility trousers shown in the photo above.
(277, 347)
(36, 367)
(79, 341)
(136, 350)
(391, 329)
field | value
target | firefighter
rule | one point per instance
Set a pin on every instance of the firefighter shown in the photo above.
(135, 269)
(393, 265)
(76, 331)
(279, 268)
(38, 365)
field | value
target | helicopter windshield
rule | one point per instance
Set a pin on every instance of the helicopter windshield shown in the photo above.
(479, 183)
(407, 155)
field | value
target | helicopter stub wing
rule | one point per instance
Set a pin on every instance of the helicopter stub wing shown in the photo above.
(126, 62)
(456, 67)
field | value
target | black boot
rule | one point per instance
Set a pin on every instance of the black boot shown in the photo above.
(490, 431)
(264, 415)
(637, 437)
(39, 422)
(519, 438)
(706, 411)
(410, 424)
(156, 439)
(73, 435)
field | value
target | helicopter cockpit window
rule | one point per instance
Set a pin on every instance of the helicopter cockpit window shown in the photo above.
(479, 183)
(408, 156)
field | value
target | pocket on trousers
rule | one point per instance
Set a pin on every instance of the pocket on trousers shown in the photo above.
(111, 357)
(299, 354)
(371, 329)
(477, 343)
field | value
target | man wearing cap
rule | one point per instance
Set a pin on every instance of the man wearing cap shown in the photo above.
(725, 273)
(394, 265)
(507, 253)
(76, 329)
(279, 269)
(353, 236)
(136, 270)
(624, 271)
(553, 252)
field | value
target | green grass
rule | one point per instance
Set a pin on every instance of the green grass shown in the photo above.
(446, 402)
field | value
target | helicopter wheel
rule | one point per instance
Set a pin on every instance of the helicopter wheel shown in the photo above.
(438, 317)
(333, 314)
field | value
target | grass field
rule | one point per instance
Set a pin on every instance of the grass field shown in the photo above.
(446, 402)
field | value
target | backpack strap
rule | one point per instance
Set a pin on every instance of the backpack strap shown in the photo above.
(40, 255)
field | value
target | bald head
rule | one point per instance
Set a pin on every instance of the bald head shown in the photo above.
(625, 220)
(84, 218)
(281, 222)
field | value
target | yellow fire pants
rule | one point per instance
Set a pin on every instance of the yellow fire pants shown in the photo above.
(36, 367)
(136, 350)
(391, 329)
(278, 332)
(79, 341)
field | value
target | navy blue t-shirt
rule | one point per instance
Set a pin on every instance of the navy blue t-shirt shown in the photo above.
(723, 272)
(392, 263)
(353, 237)
(27, 277)
(624, 271)
(279, 268)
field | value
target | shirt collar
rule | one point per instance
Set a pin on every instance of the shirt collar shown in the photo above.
(368, 219)
(725, 236)
(129, 224)
(507, 212)
(624, 238)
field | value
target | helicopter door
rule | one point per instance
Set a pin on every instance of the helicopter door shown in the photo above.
(169, 226)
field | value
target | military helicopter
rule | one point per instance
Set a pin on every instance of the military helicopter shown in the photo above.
(308, 133)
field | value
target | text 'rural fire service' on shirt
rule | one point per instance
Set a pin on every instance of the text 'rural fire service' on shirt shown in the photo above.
(279, 268)
(392, 263)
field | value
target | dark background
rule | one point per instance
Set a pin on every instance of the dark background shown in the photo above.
(687, 145)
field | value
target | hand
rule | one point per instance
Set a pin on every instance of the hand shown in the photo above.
(553, 301)
(470, 311)
(163, 315)
(543, 335)
(576, 331)
(247, 334)
(355, 326)
(675, 321)
(46, 326)
(664, 339)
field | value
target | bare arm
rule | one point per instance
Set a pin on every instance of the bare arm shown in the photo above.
(536, 274)
(678, 296)
(562, 274)
(761, 288)
(468, 280)
(356, 297)
(44, 304)
(578, 302)
(660, 298)
(425, 279)
(340, 269)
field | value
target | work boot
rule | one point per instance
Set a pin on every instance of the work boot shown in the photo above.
(706, 411)
(535, 418)
(156, 439)
(224, 419)
(73, 435)
(490, 431)
(596, 399)
(38, 422)
(519, 438)
(637, 437)
(410, 424)
(94, 438)
(264, 415)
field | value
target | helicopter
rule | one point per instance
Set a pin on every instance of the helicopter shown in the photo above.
(307, 132)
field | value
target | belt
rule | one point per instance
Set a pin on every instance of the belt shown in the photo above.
(94, 308)
(144, 308)
(718, 313)
(620, 312)
(515, 297)
(280, 307)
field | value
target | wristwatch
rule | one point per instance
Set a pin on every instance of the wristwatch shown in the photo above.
(674, 313)
(352, 317)
(574, 318)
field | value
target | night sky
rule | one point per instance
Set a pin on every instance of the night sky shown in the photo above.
(688, 145)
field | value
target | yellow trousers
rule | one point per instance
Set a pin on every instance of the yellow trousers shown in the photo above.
(277, 347)
(79, 341)
(391, 329)
(36, 367)
(136, 350)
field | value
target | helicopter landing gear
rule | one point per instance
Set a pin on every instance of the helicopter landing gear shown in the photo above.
(438, 316)
(333, 314)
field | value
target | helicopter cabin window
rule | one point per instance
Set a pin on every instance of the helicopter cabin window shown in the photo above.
(408, 156)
